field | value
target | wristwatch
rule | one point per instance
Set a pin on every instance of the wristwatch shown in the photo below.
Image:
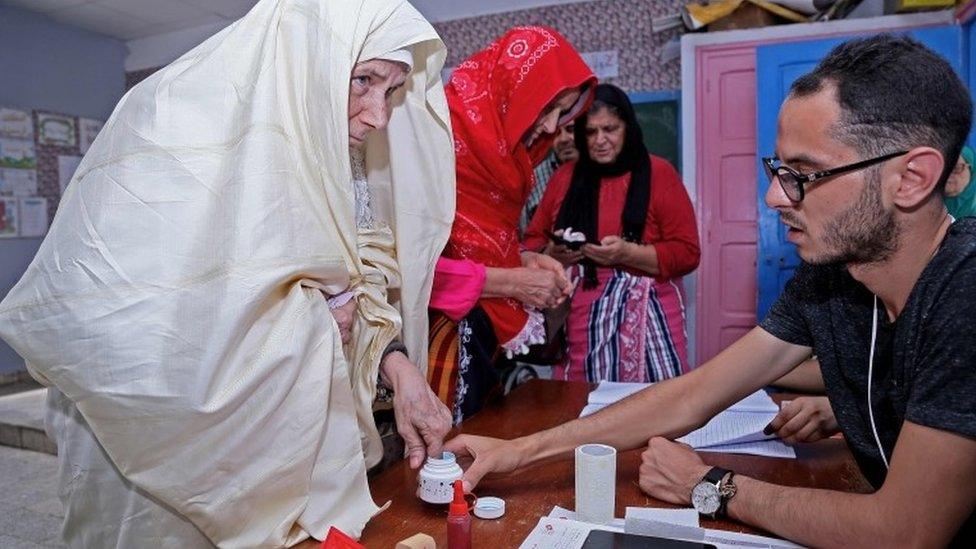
(711, 495)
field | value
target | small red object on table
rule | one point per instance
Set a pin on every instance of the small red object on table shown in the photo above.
(336, 539)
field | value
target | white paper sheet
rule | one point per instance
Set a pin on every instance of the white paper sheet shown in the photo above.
(15, 182)
(604, 64)
(759, 401)
(560, 533)
(560, 530)
(737, 430)
(616, 524)
(56, 130)
(768, 448)
(33, 216)
(683, 517)
(662, 529)
(16, 123)
(17, 153)
(609, 392)
(734, 540)
(730, 427)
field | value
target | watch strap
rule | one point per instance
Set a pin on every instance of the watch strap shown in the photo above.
(726, 492)
(715, 475)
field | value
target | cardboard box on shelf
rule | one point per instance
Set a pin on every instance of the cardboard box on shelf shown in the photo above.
(746, 16)
(916, 5)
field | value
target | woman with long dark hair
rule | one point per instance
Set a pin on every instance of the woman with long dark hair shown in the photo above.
(626, 320)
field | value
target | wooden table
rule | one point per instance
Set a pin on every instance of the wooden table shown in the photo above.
(532, 492)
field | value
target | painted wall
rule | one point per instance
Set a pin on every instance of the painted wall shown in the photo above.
(622, 25)
(600, 25)
(52, 67)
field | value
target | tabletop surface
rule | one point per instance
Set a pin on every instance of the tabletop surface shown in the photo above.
(532, 492)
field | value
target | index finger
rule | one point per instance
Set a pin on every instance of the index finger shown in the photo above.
(434, 439)
(785, 414)
(458, 446)
(478, 469)
(435, 445)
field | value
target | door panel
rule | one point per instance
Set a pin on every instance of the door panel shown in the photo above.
(726, 187)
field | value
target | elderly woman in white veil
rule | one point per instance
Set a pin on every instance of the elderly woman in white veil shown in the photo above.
(201, 391)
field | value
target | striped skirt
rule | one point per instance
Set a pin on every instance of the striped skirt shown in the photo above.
(461, 362)
(628, 328)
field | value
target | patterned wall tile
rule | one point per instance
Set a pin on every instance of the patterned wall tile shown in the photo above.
(622, 25)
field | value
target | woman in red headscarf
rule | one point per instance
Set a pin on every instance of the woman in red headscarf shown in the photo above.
(506, 103)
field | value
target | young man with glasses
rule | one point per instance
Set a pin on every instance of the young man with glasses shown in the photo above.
(884, 297)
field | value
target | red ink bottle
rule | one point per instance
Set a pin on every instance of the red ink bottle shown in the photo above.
(458, 520)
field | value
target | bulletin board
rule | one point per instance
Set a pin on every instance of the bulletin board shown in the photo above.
(39, 152)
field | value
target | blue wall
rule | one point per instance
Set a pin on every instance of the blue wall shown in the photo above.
(46, 65)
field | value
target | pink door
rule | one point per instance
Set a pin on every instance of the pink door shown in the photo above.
(726, 194)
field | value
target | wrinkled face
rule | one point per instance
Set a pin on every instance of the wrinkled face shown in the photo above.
(563, 144)
(842, 219)
(548, 120)
(371, 87)
(605, 133)
(959, 178)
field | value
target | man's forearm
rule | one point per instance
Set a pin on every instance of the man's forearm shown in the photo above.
(624, 426)
(818, 518)
(674, 407)
(806, 378)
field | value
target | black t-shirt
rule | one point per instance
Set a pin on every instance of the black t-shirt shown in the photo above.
(925, 362)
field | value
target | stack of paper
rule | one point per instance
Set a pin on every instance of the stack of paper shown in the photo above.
(737, 430)
(722, 539)
(561, 530)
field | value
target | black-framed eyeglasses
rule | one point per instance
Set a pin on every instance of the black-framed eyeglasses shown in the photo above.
(793, 181)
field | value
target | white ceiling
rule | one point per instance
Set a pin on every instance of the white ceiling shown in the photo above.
(128, 19)
(132, 19)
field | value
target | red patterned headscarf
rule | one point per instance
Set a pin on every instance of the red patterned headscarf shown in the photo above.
(495, 97)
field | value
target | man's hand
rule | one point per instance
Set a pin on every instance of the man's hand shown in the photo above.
(344, 316)
(422, 419)
(670, 470)
(490, 455)
(805, 419)
(612, 250)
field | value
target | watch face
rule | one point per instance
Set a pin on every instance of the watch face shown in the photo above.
(705, 498)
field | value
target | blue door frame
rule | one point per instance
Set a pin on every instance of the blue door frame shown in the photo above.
(777, 66)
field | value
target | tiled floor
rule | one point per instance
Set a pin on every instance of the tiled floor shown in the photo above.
(30, 512)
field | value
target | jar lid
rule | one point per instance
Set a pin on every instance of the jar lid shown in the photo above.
(489, 507)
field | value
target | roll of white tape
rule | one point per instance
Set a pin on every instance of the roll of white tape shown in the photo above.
(596, 483)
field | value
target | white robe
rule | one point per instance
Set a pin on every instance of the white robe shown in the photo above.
(200, 391)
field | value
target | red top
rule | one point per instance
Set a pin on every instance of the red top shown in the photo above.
(494, 97)
(670, 226)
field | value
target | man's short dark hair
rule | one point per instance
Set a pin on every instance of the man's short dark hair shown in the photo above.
(894, 94)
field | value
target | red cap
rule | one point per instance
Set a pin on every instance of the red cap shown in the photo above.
(459, 507)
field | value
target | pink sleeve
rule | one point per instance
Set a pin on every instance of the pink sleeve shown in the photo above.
(457, 286)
